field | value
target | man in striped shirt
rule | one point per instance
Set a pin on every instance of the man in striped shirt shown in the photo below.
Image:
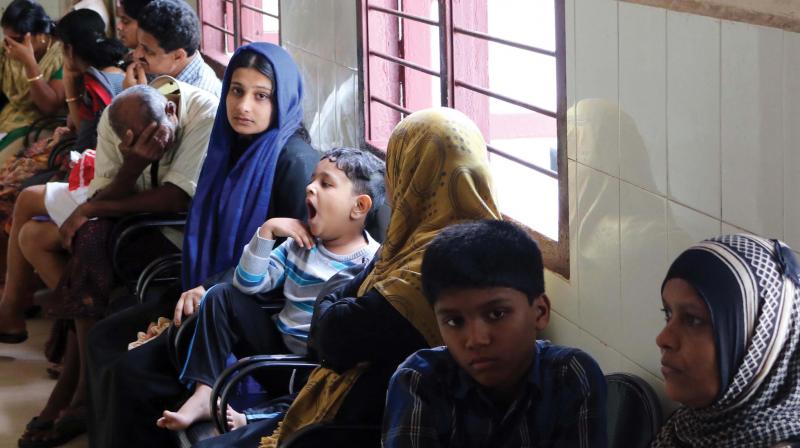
(493, 384)
(169, 44)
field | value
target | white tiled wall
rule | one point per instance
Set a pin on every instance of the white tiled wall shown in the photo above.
(679, 127)
(685, 127)
(321, 35)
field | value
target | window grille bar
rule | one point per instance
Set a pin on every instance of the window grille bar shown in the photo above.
(391, 105)
(259, 10)
(525, 163)
(507, 99)
(218, 28)
(404, 15)
(403, 62)
(502, 41)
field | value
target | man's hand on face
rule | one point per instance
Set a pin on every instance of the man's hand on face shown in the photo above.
(134, 74)
(150, 146)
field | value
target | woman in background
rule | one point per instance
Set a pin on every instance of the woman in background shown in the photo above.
(730, 349)
(30, 72)
(92, 77)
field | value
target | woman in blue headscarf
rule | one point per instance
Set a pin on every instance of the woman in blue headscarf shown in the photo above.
(730, 349)
(258, 163)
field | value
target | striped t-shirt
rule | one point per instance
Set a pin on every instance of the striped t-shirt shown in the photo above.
(301, 272)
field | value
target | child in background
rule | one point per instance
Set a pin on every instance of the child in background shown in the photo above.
(346, 187)
(493, 384)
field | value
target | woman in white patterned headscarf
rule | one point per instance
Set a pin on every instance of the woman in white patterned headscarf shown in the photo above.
(731, 344)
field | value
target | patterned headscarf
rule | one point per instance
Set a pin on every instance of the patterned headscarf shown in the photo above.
(750, 286)
(437, 174)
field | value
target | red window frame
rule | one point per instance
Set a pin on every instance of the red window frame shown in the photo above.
(389, 95)
(229, 24)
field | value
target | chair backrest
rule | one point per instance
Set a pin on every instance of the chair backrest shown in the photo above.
(633, 410)
(378, 224)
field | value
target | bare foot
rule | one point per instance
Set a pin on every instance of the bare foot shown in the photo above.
(235, 419)
(195, 409)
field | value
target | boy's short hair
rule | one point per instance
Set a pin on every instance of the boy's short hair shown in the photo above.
(173, 23)
(482, 254)
(365, 170)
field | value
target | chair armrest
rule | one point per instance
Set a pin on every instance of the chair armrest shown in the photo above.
(152, 271)
(41, 124)
(131, 225)
(235, 373)
(66, 144)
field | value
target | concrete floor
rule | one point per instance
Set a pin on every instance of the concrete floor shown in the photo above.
(24, 384)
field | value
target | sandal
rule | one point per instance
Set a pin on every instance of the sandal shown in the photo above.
(71, 424)
(13, 338)
(34, 428)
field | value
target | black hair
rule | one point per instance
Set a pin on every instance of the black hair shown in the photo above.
(133, 8)
(173, 24)
(151, 102)
(85, 31)
(251, 59)
(364, 170)
(482, 254)
(26, 16)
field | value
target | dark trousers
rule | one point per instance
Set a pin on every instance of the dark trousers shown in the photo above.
(129, 390)
(228, 321)
(247, 436)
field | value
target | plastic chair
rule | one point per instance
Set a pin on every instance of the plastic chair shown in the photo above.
(633, 411)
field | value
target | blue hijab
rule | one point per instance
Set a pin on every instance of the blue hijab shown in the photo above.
(232, 202)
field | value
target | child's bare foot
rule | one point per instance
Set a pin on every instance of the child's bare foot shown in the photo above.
(196, 408)
(235, 419)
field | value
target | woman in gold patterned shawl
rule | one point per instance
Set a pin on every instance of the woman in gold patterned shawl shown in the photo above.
(436, 175)
(30, 72)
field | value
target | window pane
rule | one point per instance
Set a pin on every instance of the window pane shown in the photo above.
(384, 34)
(382, 122)
(230, 45)
(529, 22)
(257, 27)
(384, 79)
(420, 40)
(421, 90)
(271, 6)
(519, 74)
(527, 135)
(526, 195)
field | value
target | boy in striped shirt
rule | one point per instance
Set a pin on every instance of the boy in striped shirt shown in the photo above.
(346, 187)
(343, 191)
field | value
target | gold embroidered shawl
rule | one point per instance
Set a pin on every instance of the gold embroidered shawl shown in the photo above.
(437, 175)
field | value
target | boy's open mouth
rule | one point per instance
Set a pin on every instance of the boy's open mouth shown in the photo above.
(312, 211)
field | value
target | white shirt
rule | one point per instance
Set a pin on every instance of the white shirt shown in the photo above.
(182, 163)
